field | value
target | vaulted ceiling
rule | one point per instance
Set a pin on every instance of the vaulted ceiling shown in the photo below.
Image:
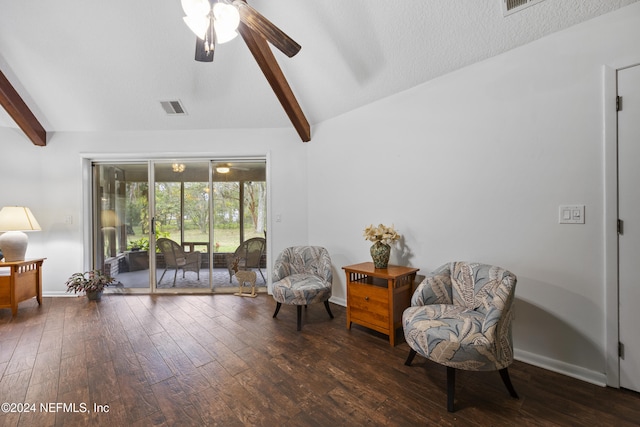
(105, 66)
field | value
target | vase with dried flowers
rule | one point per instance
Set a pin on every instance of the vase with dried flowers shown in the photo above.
(382, 236)
(91, 282)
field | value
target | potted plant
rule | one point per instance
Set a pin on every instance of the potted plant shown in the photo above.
(141, 244)
(91, 282)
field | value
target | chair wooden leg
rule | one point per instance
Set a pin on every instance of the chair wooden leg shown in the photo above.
(412, 354)
(326, 305)
(504, 374)
(299, 307)
(451, 387)
(278, 305)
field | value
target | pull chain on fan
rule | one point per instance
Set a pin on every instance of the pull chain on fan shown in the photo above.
(212, 24)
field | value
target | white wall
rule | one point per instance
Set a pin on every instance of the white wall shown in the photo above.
(473, 166)
(49, 180)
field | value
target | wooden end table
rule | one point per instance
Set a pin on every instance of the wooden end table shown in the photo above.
(376, 297)
(24, 282)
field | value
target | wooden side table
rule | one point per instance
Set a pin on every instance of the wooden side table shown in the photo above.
(376, 297)
(23, 282)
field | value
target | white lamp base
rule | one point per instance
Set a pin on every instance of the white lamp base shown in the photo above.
(13, 245)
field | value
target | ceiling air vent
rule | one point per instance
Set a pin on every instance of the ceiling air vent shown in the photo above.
(173, 108)
(513, 6)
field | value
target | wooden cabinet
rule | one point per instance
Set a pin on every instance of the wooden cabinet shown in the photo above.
(376, 297)
(20, 281)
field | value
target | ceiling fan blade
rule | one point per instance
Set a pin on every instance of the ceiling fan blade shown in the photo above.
(274, 35)
(201, 53)
(271, 70)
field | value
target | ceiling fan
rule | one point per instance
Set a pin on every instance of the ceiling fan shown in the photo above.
(227, 167)
(219, 21)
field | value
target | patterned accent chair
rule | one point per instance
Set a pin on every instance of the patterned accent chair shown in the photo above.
(460, 317)
(301, 276)
(176, 258)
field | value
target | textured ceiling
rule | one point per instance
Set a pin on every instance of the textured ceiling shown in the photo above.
(102, 66)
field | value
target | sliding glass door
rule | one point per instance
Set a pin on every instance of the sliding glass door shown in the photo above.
(181, 224)
(177, 226)
(121, 222)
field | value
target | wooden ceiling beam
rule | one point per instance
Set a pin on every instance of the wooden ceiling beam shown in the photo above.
(271, 70)
(20, 113)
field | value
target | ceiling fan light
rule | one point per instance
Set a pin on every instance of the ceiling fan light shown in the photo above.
(222, 169)
(197, 24)
(227, 14)
(227, 19)
(223, 35)
(196, 7)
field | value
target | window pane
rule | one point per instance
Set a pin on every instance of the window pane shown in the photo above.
(196, 212)
(226, 222)
(122, 222)
(255, 201)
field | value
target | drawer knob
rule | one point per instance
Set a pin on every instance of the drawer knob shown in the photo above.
(366, 298)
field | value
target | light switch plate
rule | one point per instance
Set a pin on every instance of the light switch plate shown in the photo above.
(571, 214)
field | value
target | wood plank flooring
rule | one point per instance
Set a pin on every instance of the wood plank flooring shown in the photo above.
(194, 360)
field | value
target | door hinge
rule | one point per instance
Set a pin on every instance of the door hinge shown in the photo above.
(620, 226)
(620, 350)
(618, 103)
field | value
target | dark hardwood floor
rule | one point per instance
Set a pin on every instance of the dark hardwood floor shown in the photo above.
(222, 360)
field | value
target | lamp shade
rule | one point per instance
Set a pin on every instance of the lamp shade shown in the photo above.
(14, 220)
(109, 218)
(18, 218)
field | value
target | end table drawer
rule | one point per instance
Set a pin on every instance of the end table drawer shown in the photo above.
(369, 304)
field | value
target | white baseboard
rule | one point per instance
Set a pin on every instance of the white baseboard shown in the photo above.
(339, 301)
(593, 377)
(60, 294)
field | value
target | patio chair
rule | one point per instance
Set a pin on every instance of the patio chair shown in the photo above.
(176, 258)
(248, 255)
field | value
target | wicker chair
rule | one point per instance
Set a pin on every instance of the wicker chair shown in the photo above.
(248, 254)
(460, 317)
(176, 258)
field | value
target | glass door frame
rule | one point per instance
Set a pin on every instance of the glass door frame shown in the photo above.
(90, 214)
(152, 165)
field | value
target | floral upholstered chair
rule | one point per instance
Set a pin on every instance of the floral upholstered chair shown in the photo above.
(460, 317)
(301, 276)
